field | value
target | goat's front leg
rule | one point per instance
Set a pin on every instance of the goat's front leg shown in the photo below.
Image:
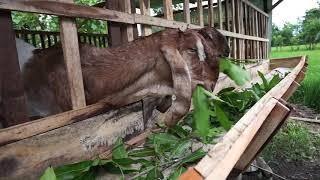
(181, 98)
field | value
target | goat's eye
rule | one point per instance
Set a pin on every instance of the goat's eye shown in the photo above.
(193, 49)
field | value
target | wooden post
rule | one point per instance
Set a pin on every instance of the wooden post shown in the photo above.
(234, 41)
(200, 12)
(114, 28)
(186, 11)
(265, 133)
(70, 46)
(127, 29)
(167, 9)
(145, 10)
(210, 14)
(226, 5)
(220, 14)
(11, 85)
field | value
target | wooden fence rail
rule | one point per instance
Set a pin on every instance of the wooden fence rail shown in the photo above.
(45, 39)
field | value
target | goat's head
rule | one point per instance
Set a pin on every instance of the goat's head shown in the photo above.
(216, 46)
(201, 50)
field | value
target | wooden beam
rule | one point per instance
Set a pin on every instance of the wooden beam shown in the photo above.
(210, 14)
(275, 5)
(233, 11)
(167, 9)
(293, 87)
(145, 10)
(277, 115)
(126, 29)
(11, 85)
(114, 28)
(77, 142)
(71, 56)
(29, 129)
(186, 11)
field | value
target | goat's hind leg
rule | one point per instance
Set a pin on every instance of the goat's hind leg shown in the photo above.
(181, 98)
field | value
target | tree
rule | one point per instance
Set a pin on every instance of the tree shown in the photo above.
(311, 27)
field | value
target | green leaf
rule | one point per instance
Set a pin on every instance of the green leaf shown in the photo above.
(198, 154)
(164, 138)
(48, 174)
(274, 81)
(145, 152)
(234, 72)
(154, 174)
(72, 170)
(177, 173)
(118, 150)
(179, 131)
(201, 111)
(181, 148)
(264, 81)
(222, 117)
(88, 175)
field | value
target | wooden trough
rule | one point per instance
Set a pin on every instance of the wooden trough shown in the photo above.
(28, 149)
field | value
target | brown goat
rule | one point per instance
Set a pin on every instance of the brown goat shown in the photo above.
(167, 63)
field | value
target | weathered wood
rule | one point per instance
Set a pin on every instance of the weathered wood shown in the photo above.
(293, 87)
(58, 8)
(167, 9)
(11, 86)
(114, 28)
(79, 141)
(127, 29)
(200, 13)
(227, 12)
(277, 115)
(145, 10)
(233, 11)
(186, 11)
(191, 174)
(220, 14)
(29, 129)
(305, 119)
(71, 55)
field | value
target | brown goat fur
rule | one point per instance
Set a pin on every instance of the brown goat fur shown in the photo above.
(166, 63)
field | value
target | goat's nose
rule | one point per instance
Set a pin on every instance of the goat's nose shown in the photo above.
(226, 52)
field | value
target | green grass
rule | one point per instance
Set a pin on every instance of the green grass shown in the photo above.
(293, 142)
(309, 92)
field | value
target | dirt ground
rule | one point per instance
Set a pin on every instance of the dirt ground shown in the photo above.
(308, 169)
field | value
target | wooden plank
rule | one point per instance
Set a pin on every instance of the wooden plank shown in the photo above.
(11, 84)
(234, 46)
(191, 174)
(80, 141)
(71, 55)
(305, 119)
(277, 115)
(57, 8)
(186, 11)
(114, 28)
(227, 13)
(127, 29)
(200, 13)
(293, 87)
(220, 14)
(145, 10)
(167, 9)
